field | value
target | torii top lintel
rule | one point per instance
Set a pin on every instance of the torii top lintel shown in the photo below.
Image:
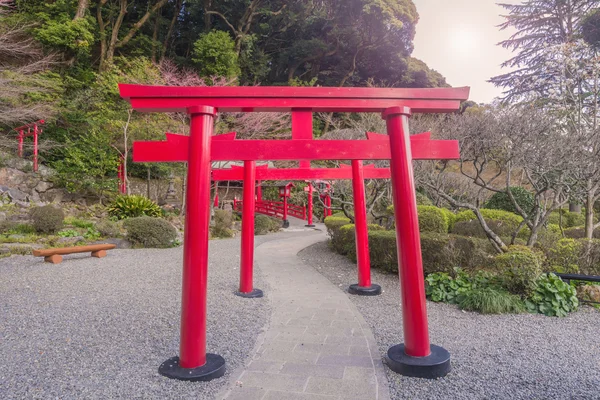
(282, 99)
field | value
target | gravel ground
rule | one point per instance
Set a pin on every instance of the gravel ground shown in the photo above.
(493, 357)
(99, 328)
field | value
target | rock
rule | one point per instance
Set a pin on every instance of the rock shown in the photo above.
(53, 195)
(43, 186)
(69, 240)
(34, 197)
(23, 204)
(589, 293)
(16, 237)
(120, 243)
(11, 176)
(16, 195)
(2, 216)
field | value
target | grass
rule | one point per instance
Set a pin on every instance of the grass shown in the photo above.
(78, 223)
(491, 301)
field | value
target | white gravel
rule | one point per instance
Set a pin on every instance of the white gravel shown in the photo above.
(99, 328)
(493, 357)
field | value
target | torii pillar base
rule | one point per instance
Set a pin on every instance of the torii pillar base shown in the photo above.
(373, 290)
(286, 223)
(213, 369)
(255, 293)
(436, 365)
(310, 226)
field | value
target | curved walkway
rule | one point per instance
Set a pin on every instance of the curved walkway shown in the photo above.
(317, 345)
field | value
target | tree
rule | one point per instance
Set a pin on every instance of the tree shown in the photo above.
(215, 55)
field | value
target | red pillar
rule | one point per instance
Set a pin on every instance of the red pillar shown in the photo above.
(310, 206)
(193, 362)
(21, 143)
(258, 191)
(216, 203)
(247, 248)
(35, 148)
(416, 357)
(364, 286)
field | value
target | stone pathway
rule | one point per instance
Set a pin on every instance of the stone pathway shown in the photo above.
(317, 345)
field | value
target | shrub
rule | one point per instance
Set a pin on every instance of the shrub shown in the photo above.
(344, 241)
(47, 219)
(382, 250)
(563, 257)
(589, 256)
(432, 219)
(150, 232)
(519, 269)
(569, 219)
(333, 224)
(450, 217)
(553, 297)
(133, 206)
(489, 300)
(441, 287)
(339, 214)
(578, 232)
(423, 200)
(501, 201)
(264, 224)
(108, 228)
(503, 223)
(223, 224)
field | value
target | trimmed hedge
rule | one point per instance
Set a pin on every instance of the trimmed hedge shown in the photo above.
(503, 223)
(223, 224)
(333, 224)
(432, 219)
(519, 269)
(574, 256)
(264, 224)
(47, 219)
(578, 232)
(150, 232)
(569, 219)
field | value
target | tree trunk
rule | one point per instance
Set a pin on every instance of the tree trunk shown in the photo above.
(148, 183)
(155, 37)
(589, 214)
(178, 7)
(82, 7)
(207, 20)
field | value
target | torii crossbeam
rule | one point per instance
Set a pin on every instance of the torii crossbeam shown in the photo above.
(416, 356)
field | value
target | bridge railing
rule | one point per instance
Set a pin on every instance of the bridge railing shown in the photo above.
(274, 209)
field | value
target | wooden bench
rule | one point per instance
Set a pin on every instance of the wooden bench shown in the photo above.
(54, 256)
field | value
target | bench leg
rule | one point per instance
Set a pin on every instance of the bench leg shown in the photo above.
(99, 253)
(54, 259)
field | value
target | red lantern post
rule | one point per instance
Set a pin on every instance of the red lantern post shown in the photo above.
(310, 206)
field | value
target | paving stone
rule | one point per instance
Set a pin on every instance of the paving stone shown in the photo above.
(346, 389)
(265, 366)
(308, 321)
(327, 371)
(246, 393)
(348, 361)
(352, 340)
(341, 349)
(277, 345)
(273, 381)
(359, 374)
(291, 356)
(361, 351)
(275, 395)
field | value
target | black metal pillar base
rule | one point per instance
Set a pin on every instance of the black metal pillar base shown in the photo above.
(286, 223)
(373, 290)
(250, 295)
(309, 226)
(213, 369)
(435, 365)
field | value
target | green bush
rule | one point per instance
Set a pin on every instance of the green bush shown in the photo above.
(578, 232)
(552, 297)
(264, 224)
(223, 224)
(488, 214)
(432, 219)
(382, 250)
(502, 223)
(344, 241)
(450, 217)
(78, 223)
(519, 269)
(133, 206)
(441, 287)
(108, 228)
(47, 219)
(563, 257)
(13, 228)
(589, 256)
(489, 300)
(333, 224)
(569, 219)
(501, 201)
(150, 232)
(423, 200)
(339, 214)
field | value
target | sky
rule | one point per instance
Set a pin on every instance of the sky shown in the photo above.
(458, 39)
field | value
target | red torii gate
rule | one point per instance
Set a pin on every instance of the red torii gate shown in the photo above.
(21, 135)
(416, 356)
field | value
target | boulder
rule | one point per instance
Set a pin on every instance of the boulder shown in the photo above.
(11, 176)
(589, 293)
(16, 195)
(69, 240)
(43, 186)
